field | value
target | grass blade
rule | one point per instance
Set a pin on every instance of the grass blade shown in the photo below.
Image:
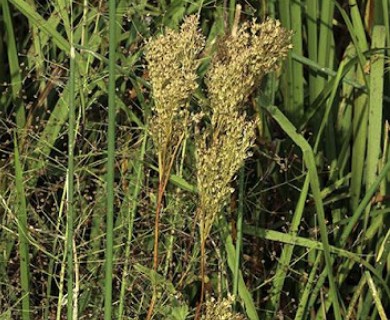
(14, 68)
(375, 109)
(314, 183)
(35, 18)
(70, 172)
(375, 295)
(110, 163)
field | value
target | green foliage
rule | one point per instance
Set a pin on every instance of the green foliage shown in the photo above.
(91, 124)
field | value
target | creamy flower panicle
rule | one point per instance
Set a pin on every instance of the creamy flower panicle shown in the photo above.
(237, 68)
(173, 59)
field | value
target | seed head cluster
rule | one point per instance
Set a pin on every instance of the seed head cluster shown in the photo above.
(221, 310)
(240, 62)
(172, 63)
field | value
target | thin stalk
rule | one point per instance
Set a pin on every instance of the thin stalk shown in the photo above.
(132, 211)
(232, 8)
(160, 197)
(356, 295)
(202, 275)
(77, 282)
(110, 163)
(376, 296)
(70, 172)
(303, 301)
(22, 232)
(164, 175)
(175, 215)
(51, 263)
(240, 218)
(285, 257)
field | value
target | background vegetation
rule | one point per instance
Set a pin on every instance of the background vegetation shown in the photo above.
(305, 234)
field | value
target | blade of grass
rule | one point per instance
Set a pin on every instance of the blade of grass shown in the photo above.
(375, 110)
(358, 292)
(312, 42)
(357, 34)
(312, 245)
(314, 183)
(297, 68)
(325, 34)
(70, 173)
(375, 295)
(287, 78)
(35, 18)
(63, 7)
(386, 18)
(363, 204)
(360, 116)
(14, 68)
(110, 163)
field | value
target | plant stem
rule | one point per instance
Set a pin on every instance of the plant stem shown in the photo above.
(110, 163)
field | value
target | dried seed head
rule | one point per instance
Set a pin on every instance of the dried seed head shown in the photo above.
(218, 158)
(172, 62)
(221, 310)
(241, 61)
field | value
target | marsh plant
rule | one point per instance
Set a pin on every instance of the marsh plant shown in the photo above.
(224, 132)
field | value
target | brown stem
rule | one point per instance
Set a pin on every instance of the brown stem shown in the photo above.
(162, 184)
(151, 305)
(202, 274)
(161, 188)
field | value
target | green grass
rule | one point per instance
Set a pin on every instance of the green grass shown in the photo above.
(305, 235)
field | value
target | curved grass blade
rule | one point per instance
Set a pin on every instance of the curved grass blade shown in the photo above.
(315, 186)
